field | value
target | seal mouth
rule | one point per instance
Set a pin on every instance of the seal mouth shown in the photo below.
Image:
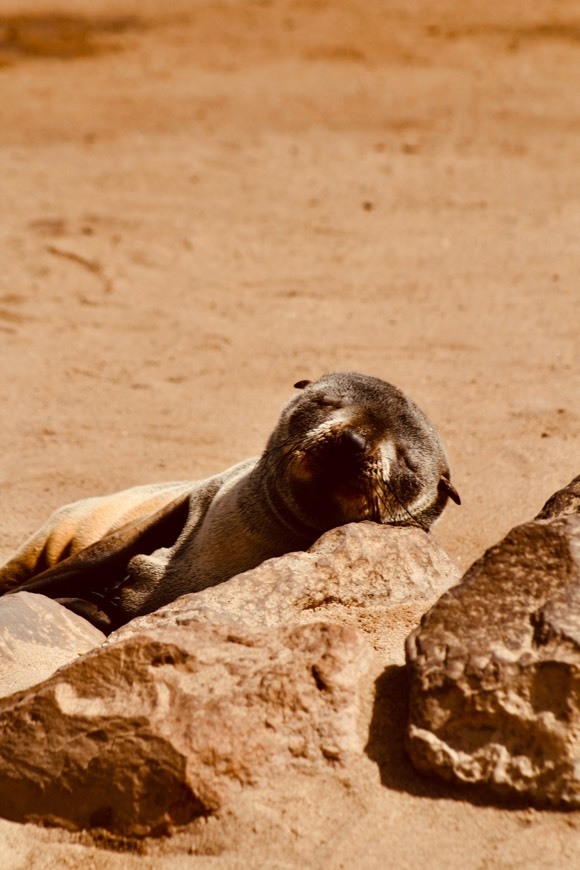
(356, 504)
(349, 488)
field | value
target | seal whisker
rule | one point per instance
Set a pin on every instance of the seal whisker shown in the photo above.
(415, 520)
(383, 506)
(278, 461)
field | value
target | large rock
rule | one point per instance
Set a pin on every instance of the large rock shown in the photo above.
(356, 573)
(37, 636)
(495, 670)
(221, 689)
(172, 723)
(564, 502)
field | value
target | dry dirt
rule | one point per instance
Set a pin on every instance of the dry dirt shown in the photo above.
(203, 202)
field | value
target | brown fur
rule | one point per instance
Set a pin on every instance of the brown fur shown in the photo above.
(347, 448)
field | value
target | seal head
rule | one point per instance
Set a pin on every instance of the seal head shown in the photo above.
(352, 447)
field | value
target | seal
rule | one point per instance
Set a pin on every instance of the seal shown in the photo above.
(347, 448)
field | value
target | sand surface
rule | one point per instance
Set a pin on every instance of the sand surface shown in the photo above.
(204, 202)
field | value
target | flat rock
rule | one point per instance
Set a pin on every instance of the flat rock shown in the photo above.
(37, 636)
(351, 573)
(170, 724)
(495, 670)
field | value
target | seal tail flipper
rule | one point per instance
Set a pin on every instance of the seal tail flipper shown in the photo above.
(91, 573)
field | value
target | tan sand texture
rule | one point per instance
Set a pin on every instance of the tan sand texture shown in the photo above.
(202, 203)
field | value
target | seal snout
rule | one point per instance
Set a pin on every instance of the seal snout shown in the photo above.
(353, 440)
(337, 454)
(344, 448)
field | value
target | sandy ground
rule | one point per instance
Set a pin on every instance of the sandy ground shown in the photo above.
(203, 202)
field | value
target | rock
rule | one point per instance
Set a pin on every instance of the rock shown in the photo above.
(350, 573)
(170, 724)
(495, 670)
(37, 636)
(218, 691)
(565, 501)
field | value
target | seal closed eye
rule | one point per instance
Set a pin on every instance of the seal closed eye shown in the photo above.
(348, 447)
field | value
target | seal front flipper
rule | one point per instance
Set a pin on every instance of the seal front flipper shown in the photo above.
(91, 573)
(90, 611)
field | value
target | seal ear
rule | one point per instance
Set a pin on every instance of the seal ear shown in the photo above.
(448, 488)
(301, 384)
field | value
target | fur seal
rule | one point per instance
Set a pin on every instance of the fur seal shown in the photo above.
(347, 448)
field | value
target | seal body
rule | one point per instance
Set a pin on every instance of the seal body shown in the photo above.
(347, 448)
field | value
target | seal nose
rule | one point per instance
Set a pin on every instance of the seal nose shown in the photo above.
(354, 440)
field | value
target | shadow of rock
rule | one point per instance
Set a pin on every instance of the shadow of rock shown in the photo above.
(386, 747)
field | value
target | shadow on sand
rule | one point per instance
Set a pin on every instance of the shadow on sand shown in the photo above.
(386, 747)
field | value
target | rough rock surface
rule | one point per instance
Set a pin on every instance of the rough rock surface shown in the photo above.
(565, 501)
(355, 570)
(495, 670)
(37, 636)
(169, 724)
